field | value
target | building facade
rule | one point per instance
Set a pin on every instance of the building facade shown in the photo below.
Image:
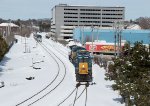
(65, 18)
(108, 35)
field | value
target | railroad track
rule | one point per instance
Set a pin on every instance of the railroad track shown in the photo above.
(76, 89)
(76, 96)
(59, 51)
(45, 88)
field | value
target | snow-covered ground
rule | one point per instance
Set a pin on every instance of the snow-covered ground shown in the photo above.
(43, 66)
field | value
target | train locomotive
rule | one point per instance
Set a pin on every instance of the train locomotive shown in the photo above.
(73, 53)
(82, 61)
(38, 37)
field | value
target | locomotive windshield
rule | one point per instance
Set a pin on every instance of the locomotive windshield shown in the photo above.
(84, 59)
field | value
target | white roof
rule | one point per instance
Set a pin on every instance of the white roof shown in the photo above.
(134, 26)
(8, 24)
(74, 43)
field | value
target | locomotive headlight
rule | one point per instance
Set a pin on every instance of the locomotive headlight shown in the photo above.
(83, 66)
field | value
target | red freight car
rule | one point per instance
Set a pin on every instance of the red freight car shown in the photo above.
(101, 47)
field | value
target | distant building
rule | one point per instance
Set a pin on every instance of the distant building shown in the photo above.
(8, 30)
(65, 18)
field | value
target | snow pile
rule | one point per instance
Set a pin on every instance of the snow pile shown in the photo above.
(134, 27)
(74, 43)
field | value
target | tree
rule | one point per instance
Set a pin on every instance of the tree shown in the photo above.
(3, 47)
(131, 73)
(144, 22)
(44, 27)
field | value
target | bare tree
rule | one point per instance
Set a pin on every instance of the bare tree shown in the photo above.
(144, 22)
(25, 31)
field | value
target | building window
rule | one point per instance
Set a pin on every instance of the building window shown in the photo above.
(90, 13)
(68, 32)
(70, 21)
(69, 13)
(70, 9)
(110, 18)
(111, 14)
(112, 10)
(69, 24)
(106, 26)
(67, 37)
(90, 17)
(69, 17)
(90, 9)
(107, 22)
(90, 21)
(67, 29)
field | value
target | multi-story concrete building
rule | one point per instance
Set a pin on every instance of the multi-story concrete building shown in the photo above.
(65, 18)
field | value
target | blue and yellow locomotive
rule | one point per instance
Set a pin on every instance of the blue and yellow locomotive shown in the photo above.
(38, 37)
(82, 61)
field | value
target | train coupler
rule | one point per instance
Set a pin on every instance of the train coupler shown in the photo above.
(78, 84)
(86, 84)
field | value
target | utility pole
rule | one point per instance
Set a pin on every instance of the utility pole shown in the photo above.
(115, 35)
(92, 37)
(119, 31)
(149, 43)
(21, 32)
(120, 48)
(9, 28)
(115, 43)
(25, 44)
(118, 38)
(82, 34)
(97, 34)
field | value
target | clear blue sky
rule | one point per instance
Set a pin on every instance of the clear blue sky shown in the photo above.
(25, 9)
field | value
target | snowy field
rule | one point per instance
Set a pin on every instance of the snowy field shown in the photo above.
(42, 64)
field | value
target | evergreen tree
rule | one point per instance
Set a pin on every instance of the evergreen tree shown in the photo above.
(131, 73)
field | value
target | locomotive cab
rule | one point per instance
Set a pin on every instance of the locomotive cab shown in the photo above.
(74, 51)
